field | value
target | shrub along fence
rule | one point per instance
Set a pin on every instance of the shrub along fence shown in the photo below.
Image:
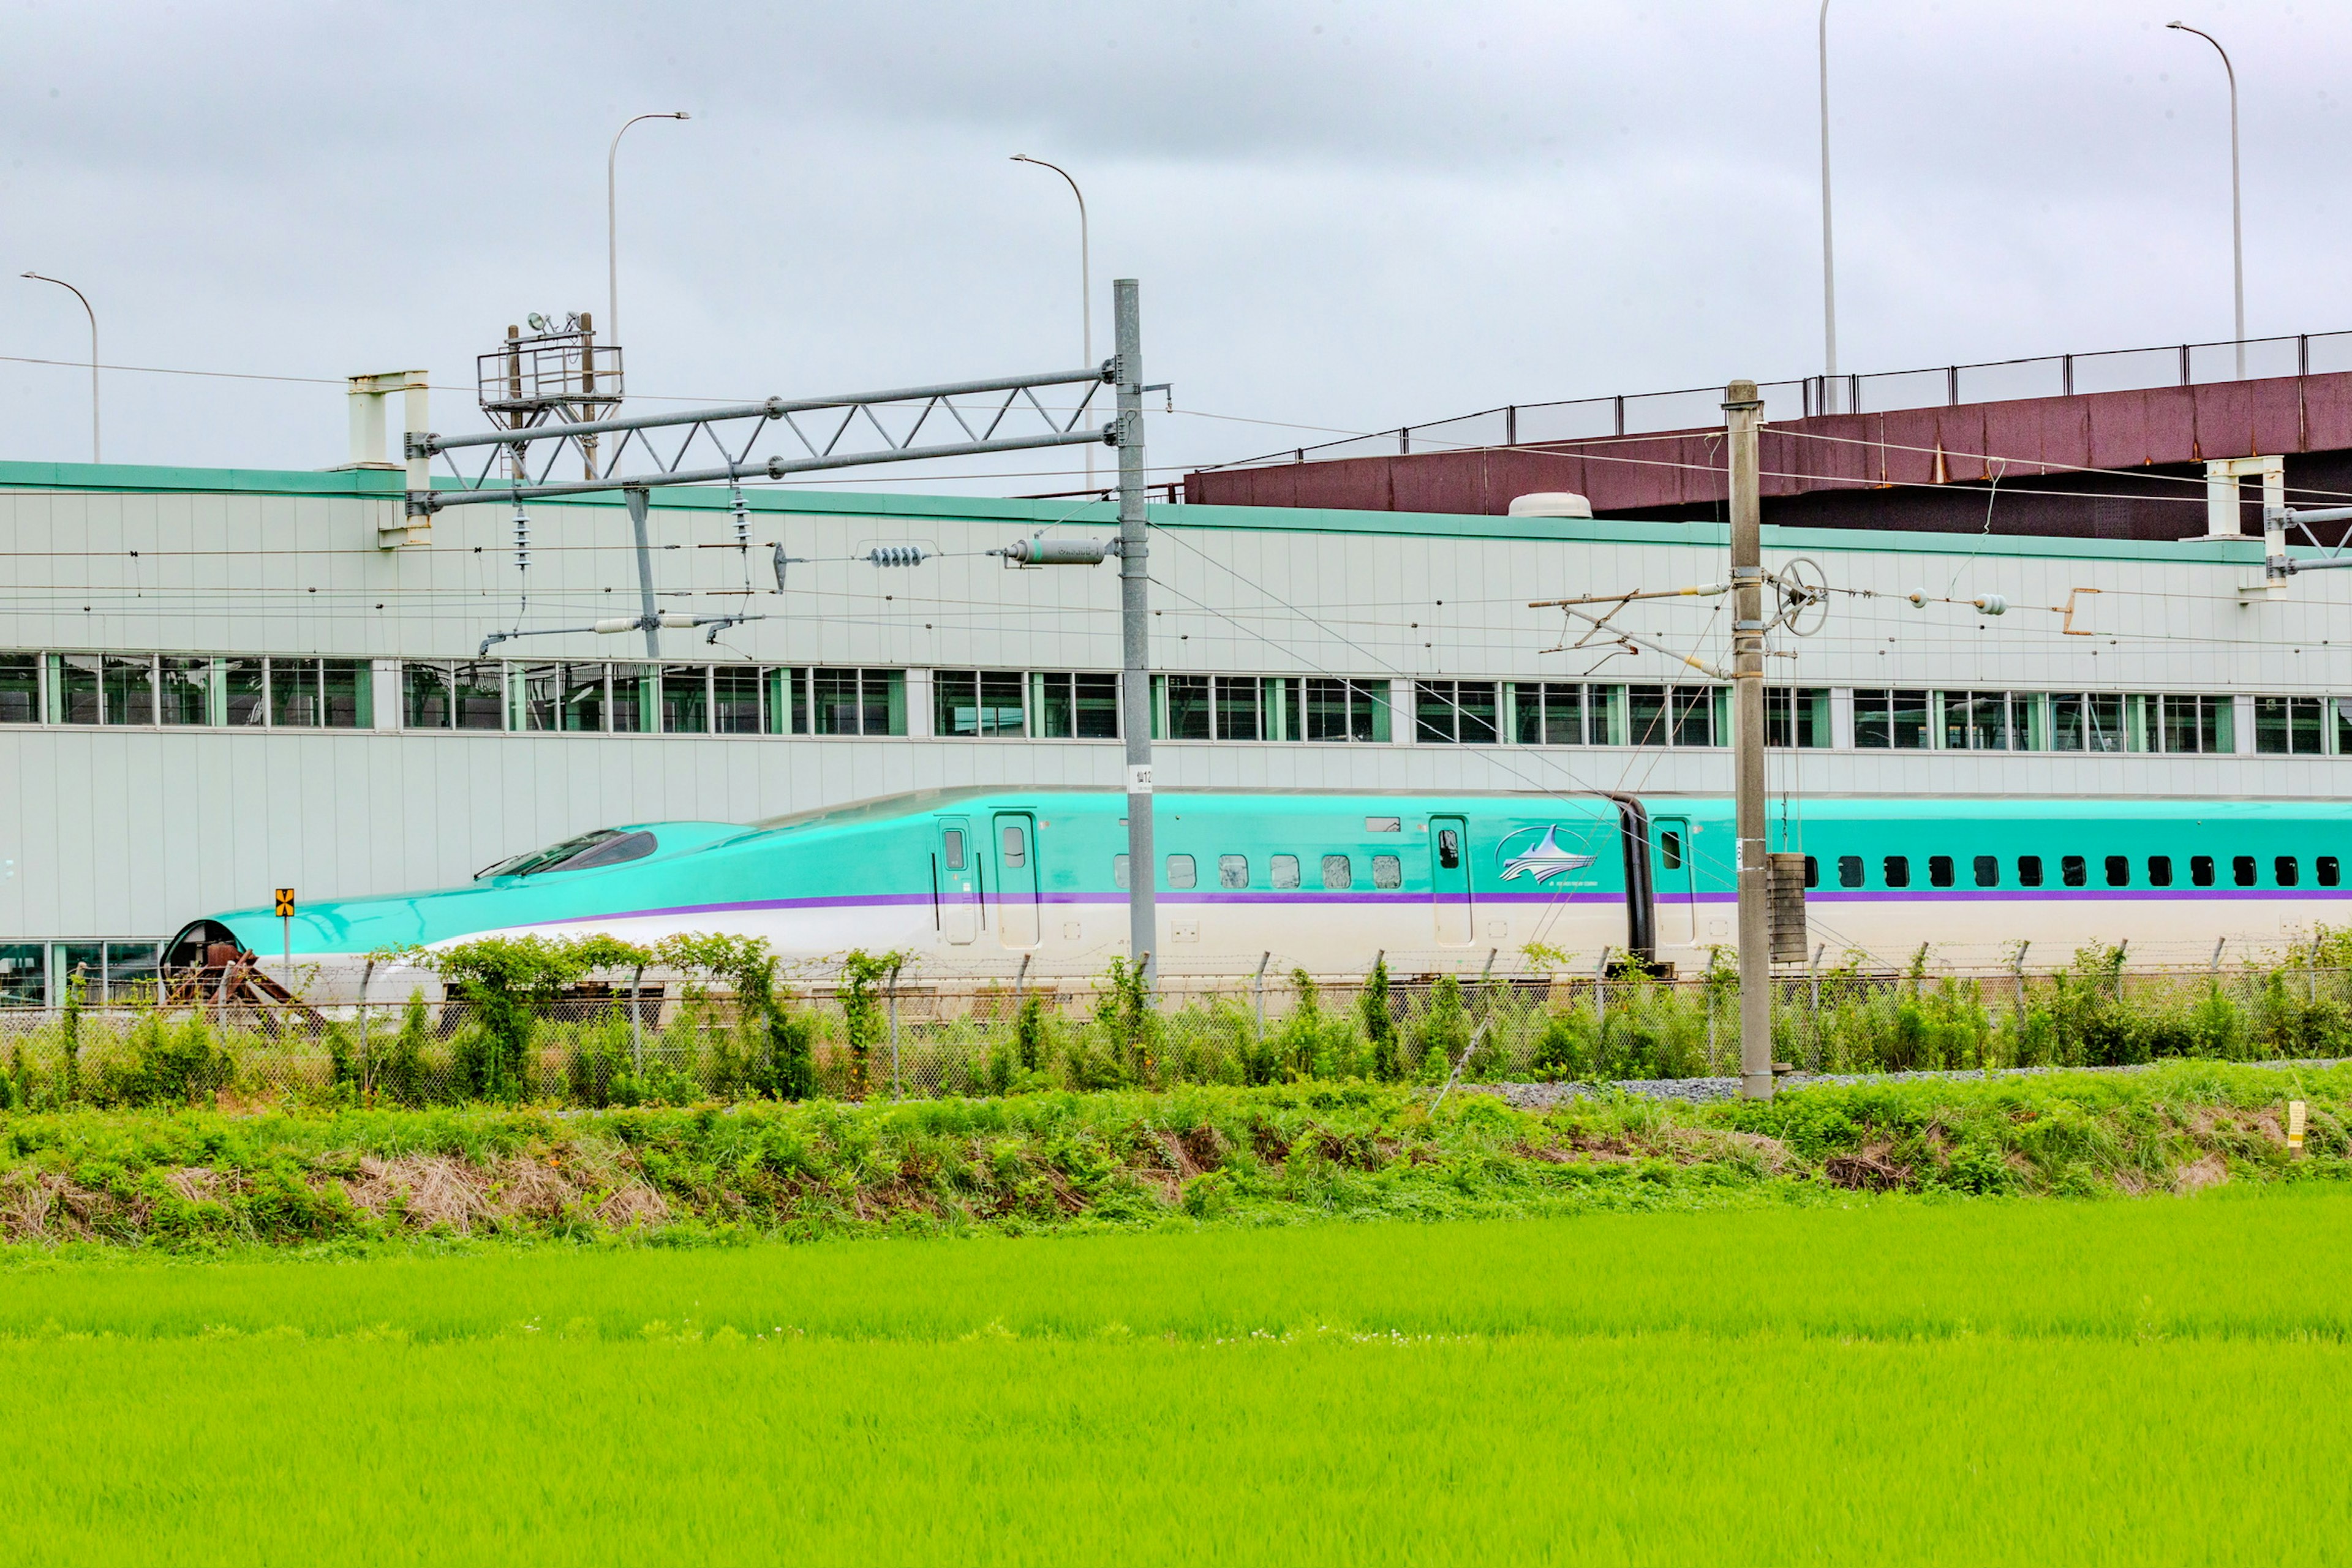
(519, 1031)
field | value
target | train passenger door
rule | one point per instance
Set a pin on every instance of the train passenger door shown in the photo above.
(1675, 879)
(1449, 880)
(1016, 878)
(955, 885)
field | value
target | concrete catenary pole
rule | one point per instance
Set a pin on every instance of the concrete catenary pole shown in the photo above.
(1744, 416)
(1135, 630)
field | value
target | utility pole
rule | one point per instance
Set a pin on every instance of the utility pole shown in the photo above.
(1135, 631)
(1744, 416)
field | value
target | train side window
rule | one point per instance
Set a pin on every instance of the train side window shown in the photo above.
(1449, 848)
(1183, 872)
(2119, 870)
(1940, 870)
(1898, 871)
(2073, 870)
(2242, 870)
(2028, 871)
(2327, 871)
(1284, 871)
(2160, 870)
(1812, 873)
(1233, 870)
(1987, 871)
(2287, 872)
(1119, 871)
(2201, 870)
(1388, 871)
(1849, 870)
(1016, 846)
(1670, 850)
(952, 842)
(1338, 872)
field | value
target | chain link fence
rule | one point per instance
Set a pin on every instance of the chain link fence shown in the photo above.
(916, 1038)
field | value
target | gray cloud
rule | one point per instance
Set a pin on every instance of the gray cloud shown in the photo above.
(1345, 214)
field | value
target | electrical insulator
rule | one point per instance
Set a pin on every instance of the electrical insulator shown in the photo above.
(1992, 605)
(522, 540)
(742, 521)
(897, 555)
(1058, 551)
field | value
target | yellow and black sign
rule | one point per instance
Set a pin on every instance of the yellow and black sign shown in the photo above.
(285, 903)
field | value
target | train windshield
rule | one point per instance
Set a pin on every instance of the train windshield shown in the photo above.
(606, 847)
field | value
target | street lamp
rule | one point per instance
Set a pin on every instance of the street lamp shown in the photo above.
(44, 277)
(612, 227)
(1086, 280)
(2237, 226)
(1829, 260)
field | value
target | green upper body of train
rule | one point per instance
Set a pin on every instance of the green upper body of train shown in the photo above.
(979, 878)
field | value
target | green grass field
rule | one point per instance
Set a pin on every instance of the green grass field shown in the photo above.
(1869, 1381)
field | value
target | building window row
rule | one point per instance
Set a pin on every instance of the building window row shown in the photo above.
(173, 690)
(190, 690)
(1271, 708)
(41, 974)
(655, 699)
(1917, 719)
(1016, 704)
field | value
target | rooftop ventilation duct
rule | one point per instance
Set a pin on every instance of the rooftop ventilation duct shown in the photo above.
(1551, 503)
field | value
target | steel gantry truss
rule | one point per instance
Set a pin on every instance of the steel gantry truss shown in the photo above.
(655, 450)
(840, 432)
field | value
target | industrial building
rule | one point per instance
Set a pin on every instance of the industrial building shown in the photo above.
(215, 683)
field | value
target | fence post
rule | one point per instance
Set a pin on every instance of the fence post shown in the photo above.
(1814, 1004)
(367, 1063)
(2018, 968)
(891, 993)
(636, 1023)
(1257, 987)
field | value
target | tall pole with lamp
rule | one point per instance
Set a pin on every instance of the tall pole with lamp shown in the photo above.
(1829, 254)
(44, 277)
(613, 227)
(2237, 225)
(1086, 280)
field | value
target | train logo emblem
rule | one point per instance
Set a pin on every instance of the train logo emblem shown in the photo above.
(1543, 862)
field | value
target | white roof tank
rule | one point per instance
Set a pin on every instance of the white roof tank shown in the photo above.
(1550, 503)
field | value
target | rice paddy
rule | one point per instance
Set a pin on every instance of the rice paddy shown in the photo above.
(1882, 1380)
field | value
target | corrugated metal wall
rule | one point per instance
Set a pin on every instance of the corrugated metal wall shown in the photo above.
(132, 830)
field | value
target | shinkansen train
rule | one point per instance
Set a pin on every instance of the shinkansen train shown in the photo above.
(976, 880)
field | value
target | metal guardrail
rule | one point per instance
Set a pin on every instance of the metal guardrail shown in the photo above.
(1934, 386)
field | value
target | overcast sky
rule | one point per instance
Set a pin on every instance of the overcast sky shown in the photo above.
(1344, 215)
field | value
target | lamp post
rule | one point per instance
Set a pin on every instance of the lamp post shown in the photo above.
(44, 277)
(1086, 280)
(2237, 225)
(1829, 257)
(612, 227)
